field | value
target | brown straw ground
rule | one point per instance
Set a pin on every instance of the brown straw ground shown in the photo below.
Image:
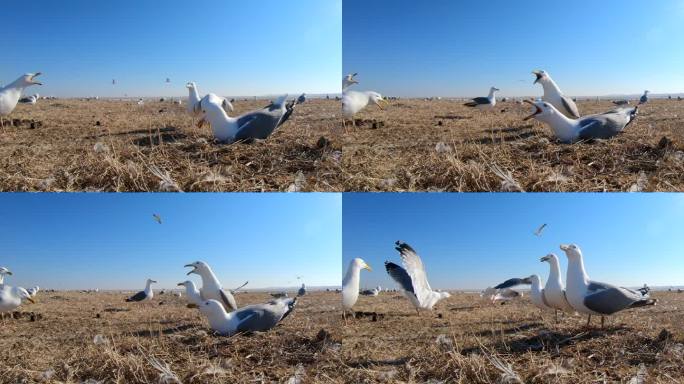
(440, 145)
(465, 340)
(106, 145)
(76, 337)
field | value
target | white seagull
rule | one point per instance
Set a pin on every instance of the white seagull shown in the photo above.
(413, 280)
(595, 298)
(33, 291)
(10, 95)
(372, 292)
(644, 97)
(536, 291)
(348, 81)
(192, 293)
(257, 124)
(252, 318)
(11, 298)
(211, 287)
(4, 272)
(33, 99)
(145, 295)
(354, 101)
(493, 295)
(483, 103)
(194, 98)
(554, 96)
(554, 291)
(350, 284)
(601, 126)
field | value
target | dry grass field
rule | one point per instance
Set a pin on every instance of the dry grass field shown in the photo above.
(397, 150)
(107, 145)
(465, 340)
(169, 343)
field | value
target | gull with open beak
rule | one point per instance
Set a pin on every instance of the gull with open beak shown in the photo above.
(348, 81)
(554, 96)
(350, 285)
(211, 286)
(600, 126)
(194, 99)
(10, 95)
(4, 272)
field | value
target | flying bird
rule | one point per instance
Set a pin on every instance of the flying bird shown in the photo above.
(157, 218)
(539, 230)
(413, 279)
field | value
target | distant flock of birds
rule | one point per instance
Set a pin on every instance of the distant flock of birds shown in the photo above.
(581, 294)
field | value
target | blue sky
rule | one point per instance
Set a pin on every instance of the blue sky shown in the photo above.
(228, 47)
(461, 48)
(110, 241)
(471, 241)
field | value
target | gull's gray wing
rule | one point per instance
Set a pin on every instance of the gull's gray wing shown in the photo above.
(606, 125)
(607, 299)
(513, 282)
(570, 107)
(140, 296)
(228, 300)
(415, 268)
(399, 275)
(477, 101)
(257, 125)
(262, 317)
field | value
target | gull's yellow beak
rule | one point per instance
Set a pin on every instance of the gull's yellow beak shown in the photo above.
(368, 268)
(382, 102)
(31, 300)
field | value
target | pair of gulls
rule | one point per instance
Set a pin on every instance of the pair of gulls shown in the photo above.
(354, 101)
(581, 294)
(220, 307)
(11, 297)
(11, 94)
(253, 125)
(412, 280)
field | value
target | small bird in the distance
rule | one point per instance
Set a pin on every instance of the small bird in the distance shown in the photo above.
(539, 230)
(157, 218)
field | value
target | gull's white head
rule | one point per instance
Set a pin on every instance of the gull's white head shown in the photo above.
(211, 107)
(211, 308)
(542, 110)
(187, 284)
(550, 258)
(359, 264)
(494, 89)
(150, 281)
(4, 271)
(349, 80)
(198, 267)
(28, 80)
(572, 251)
(191, 85)
(542, 76)
(22, 294)
(377, 99)
(534, 279)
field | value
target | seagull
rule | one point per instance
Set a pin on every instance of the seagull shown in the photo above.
(539, 230)
(157, 218)
(10, 95)
(554, 291)
(413, 280)
(211, 287)
(372, 292)
(644, 98)
(252, 318)
(354, 101)
(192, 292)
(601, 126)
(257, 124)
(11, 298)
(4, 272)
(301, 99)
(33, 99)
(350, 284)
(302, 291)
(536, 291)
(33, 291)
(554, 96)
(279, 295)
(348, 81)
(145, 295)
(595, 298)
(502, 295)
(484, 102)
(621, 102)
(194, 99)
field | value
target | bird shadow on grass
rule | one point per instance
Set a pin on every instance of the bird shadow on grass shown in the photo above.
(499, 140)
(368, 363)
(168, 331)
(156, 137)
(452, 117)
(508, 130)
(507, 331)
(135, 132)
(544, 341)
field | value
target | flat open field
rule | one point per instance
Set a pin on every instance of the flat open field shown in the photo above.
(169, 343)
(108, 145)
(465, 340)
(400, 151)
